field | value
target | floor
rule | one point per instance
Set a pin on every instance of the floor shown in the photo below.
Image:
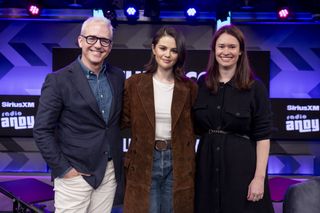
(6, 203)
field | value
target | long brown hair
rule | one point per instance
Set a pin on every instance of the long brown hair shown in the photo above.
(178, 68)
(243, 76)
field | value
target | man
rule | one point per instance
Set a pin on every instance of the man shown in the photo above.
(77, 124)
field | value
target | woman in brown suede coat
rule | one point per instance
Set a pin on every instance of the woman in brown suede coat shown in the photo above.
(160, 162)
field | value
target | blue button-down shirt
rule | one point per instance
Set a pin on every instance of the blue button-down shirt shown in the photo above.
(101, 88)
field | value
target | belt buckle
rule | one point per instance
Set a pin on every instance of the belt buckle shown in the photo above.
(161, 145)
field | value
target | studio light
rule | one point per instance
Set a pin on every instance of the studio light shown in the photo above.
(191, 12)
(131, 11)
(283, 11)
(34, 9)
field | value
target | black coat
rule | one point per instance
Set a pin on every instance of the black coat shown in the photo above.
(226, 162)
(69, 128)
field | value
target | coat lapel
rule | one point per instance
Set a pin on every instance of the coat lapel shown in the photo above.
(112, 82)
(145, 92)
(81, 83)
(180, 94)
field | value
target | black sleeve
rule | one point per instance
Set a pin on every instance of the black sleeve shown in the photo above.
(262, 116)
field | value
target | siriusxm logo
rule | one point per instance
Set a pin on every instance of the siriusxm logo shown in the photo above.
(303, 108)
(16, 120)
(6, 104)
(302, 124)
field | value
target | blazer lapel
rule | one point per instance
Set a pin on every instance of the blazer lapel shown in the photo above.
(145, 92)
(81, 83)
(180, 94)
(112, 82)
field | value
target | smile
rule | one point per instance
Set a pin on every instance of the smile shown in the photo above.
(167, 61)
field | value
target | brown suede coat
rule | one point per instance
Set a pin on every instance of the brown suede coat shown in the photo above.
(139, 114)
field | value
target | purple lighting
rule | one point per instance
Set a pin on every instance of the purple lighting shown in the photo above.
(191, 11)
(34, 10)
(131, 11)
(283, 13)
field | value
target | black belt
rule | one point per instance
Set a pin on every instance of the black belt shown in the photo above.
(218, 131)
(162, 145)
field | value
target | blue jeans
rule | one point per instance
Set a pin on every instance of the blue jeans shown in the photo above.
(161, 184)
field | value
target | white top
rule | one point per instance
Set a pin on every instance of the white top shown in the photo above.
(162, 101)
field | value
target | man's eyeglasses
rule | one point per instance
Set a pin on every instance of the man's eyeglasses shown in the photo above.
(105, 42)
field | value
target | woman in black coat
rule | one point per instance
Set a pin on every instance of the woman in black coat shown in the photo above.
(233, 117)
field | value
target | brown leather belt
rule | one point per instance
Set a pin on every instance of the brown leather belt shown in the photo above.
(162, 145)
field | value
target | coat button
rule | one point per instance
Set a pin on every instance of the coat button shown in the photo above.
(237, 114)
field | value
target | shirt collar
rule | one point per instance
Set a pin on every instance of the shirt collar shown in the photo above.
(87, 71)
(231, 83)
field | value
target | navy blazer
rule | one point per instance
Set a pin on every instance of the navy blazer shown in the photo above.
(69, 128)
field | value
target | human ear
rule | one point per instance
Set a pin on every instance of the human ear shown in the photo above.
(80, 41)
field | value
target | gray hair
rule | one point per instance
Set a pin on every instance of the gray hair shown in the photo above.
(98, 19)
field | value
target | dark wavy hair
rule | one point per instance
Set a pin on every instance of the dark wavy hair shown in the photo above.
(243, 76)
(178, 68)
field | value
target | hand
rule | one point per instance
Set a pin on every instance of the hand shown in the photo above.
(256, 189)
(74, 173)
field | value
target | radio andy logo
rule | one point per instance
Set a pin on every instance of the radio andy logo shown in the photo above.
(301, 123)
(16, 120)
(11, 118)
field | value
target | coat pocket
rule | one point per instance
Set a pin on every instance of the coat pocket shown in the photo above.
(238, 113)
(239, 120)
